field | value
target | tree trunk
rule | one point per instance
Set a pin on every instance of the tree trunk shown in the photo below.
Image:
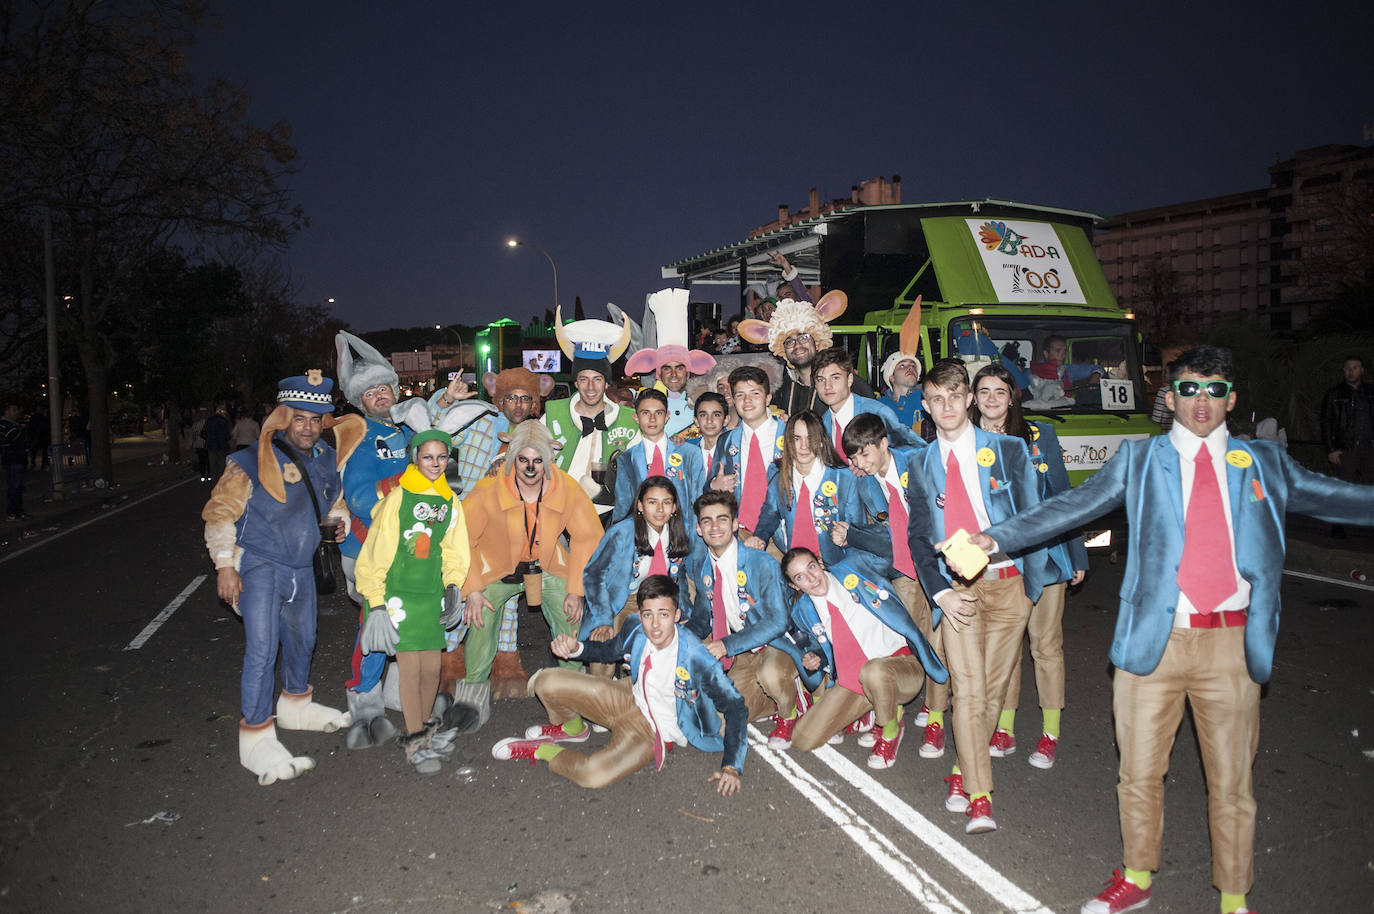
(97, 390)
(171, 421)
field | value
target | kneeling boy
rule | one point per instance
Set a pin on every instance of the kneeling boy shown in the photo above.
(676, 694)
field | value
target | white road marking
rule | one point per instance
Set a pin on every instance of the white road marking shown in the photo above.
(919, 884)
(99, 517)
(1009, 897)
(1339, 582)
(166, 614)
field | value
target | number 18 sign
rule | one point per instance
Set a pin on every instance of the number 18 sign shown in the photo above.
(1117, 394)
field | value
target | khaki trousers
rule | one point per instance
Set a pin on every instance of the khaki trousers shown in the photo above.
(1206, 667)
(918, 607)
(980, 659)
(765, 680)
(1046, 632)
(610, 702)
(888, 683)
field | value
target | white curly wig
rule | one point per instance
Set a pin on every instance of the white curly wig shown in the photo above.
(793, 316)
(530, 433)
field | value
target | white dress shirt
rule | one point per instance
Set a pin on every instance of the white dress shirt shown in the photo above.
(727, 568)
(875, 639)
(1187, 443)
(660, 706)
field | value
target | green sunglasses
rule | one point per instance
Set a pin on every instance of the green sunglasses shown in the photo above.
(1215, 389)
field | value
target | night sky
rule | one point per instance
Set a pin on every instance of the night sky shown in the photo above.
(624, 137)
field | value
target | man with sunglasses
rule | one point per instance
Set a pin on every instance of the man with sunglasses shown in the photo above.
(1199, 609)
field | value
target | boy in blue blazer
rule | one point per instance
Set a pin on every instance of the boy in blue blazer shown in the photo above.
(678, 694)
(739, 610)
(860, 635)
(1199, 609)
(964, 476)
(832, 372)
(745, 455)
(655, 454)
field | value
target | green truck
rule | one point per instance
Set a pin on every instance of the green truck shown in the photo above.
(998, 281)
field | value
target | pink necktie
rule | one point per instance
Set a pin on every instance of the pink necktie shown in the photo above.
(959, 512)
(1207, 572)
(849, 657)
(659, 563)
(656, 465)
(755, 484)
(649, 706)
(839, 442)
(897, 528)
(719, 627)
(804, 522)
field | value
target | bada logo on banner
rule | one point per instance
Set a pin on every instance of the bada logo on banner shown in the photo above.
(1025, 261)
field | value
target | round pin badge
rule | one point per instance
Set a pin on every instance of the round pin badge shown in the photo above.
(828, 488)
(986, 457)
(740, 579)
(851, 581)
(1239, 458)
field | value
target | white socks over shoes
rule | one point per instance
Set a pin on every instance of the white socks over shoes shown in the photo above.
(300, 712)
(262, 754)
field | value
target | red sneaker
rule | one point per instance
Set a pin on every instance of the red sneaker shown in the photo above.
(864, 726)
(514, 747)
(1002, 744)
(885, 750)
(1043, 756)
(922, 718)
(1121, 894)
(804, 699)
(554, 733)
(933, 746)
(980, 817)
(781, 737)
(957, 800)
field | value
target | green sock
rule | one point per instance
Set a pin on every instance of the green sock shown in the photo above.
(936, 717)
(547, 751)
(574, 726)
(1231, 903)
(793, 715)
(1140, 877)
(1051, 725)
(1007, 720)
(955, 770)
(891, 727)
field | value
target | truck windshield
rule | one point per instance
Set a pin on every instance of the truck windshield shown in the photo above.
(1062, 364)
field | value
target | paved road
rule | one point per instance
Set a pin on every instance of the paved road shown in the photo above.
(101, 740)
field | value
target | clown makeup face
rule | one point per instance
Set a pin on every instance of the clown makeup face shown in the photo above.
(529, 466)
(674, 376)
(431, 459)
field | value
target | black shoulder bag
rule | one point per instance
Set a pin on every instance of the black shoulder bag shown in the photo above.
(326, 560)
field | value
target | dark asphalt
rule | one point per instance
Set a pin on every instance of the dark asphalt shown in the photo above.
(102, 739)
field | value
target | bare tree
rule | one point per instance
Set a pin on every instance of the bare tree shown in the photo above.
(103, 128)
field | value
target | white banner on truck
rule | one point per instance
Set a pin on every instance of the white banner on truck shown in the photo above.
(1089, 452)
(1025, 261)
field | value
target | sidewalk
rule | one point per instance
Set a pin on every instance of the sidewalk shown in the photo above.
(138, 471)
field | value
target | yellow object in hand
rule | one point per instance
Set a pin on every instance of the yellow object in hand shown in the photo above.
(966, 559)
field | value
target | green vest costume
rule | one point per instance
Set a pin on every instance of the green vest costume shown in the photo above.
(567, 428)
(415, 580)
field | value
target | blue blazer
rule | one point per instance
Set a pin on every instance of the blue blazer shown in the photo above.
(1143, 476)
(898, 432)
(727, 455)
(1017, 490)
(874, 535)
(704, 692)
(607, 582)
(760, 595)
(841, 504)
(1067, 553)
(874, 594)
(681, 463)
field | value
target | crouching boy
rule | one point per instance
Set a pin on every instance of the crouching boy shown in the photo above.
(677, 693)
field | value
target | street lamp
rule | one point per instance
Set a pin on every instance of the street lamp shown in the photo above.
(516, 242)
(458, 337)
